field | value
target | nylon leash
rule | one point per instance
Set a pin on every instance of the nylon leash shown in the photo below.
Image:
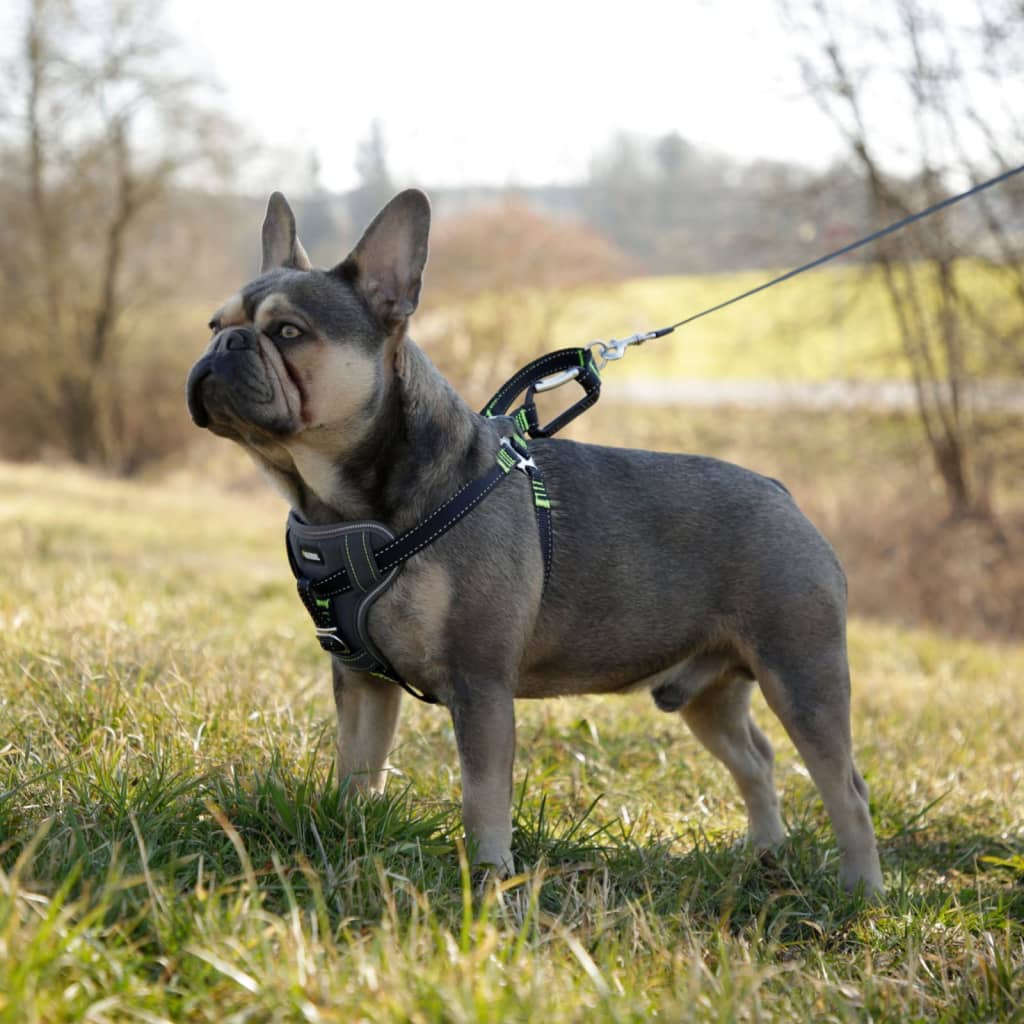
(615, 349)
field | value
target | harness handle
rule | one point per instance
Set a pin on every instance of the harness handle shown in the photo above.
(543, 374)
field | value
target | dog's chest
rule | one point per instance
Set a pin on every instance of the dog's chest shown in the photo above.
(321, 474)
(409, 622)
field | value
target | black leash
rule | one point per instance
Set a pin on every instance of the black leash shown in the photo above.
(873, 237)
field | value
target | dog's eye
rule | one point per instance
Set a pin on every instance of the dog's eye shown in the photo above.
(289, 332)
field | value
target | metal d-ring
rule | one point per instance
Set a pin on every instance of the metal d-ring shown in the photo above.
(556, 380)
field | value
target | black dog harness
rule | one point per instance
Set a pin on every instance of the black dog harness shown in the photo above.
(342, 568)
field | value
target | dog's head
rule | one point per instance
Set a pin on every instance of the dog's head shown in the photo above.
(299, 356)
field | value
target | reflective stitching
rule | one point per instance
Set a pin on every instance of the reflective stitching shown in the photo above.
(351, 566)
(437, 511)
(370, 560)
(472, 505)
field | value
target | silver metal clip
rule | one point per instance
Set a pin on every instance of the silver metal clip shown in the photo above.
(616, 348)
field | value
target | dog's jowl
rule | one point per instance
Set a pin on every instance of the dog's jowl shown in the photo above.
(710, 582)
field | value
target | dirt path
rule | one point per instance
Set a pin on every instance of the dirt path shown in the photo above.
(1004, 395)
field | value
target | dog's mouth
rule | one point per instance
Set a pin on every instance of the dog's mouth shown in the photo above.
(251, 384)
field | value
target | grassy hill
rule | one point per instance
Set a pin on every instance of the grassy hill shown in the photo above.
(173, 845)
(834, 323)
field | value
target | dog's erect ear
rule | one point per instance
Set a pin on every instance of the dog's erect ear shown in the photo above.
(387, 264)
(281, 246)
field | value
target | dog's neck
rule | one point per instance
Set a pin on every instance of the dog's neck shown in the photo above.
(421, 443)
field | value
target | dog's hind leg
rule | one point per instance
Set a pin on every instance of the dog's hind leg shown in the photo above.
(813, 703)
(720, 718)
(367, 717)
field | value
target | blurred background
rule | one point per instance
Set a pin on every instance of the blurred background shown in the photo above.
(593, 173)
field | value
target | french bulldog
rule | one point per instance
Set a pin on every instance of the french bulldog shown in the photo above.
(682, 575)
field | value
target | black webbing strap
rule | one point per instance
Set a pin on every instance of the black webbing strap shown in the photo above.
(518, 452)
(513, 454)
(579, 361)
(542, 512)
(442, 519)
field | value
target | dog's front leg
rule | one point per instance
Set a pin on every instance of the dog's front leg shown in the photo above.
(367, 716)
(485, 732)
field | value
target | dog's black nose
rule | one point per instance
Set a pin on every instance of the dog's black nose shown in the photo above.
(239, 338)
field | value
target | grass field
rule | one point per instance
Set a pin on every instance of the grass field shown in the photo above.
(173, 846)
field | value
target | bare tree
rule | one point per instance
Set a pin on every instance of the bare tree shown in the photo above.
(928, 102)
(98, 128)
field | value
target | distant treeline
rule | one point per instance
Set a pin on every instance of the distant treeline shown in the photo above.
(668, 206)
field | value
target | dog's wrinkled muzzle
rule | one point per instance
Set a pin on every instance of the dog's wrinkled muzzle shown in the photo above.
(233, 363)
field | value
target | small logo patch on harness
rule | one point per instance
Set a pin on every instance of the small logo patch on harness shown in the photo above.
(312, 555)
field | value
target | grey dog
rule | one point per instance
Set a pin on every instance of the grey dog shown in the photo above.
(704, 577)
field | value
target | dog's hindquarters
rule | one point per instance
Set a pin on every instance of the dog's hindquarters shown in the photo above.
(808, 688)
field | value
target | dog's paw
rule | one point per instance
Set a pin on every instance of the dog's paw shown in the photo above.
(485, 875)
(864, 879)
(767, 838)
(486, 879)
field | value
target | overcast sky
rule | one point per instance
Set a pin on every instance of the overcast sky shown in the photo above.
(511, 93)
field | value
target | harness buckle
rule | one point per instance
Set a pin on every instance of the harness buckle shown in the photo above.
(524, 461)
(330, 640)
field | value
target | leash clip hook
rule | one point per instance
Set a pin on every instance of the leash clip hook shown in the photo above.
(608, 351)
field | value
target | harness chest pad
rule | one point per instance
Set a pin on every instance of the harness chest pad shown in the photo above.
(316, 552)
